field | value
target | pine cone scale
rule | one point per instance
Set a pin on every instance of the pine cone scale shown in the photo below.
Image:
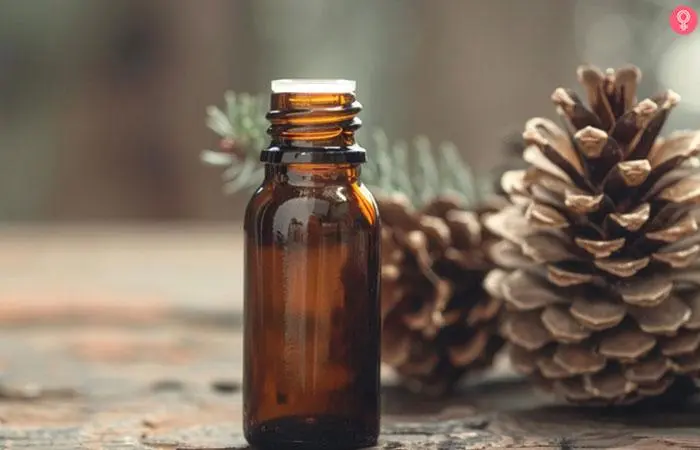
(683, 343)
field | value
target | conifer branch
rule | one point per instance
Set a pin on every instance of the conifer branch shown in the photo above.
(243, 130)
(417, 171)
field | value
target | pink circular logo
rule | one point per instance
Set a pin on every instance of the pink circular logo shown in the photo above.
(683, 19)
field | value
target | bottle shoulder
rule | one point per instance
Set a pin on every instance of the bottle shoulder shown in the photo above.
(366, 199)
(278, 205)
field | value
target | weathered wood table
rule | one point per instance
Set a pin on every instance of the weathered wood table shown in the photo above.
(130, 338)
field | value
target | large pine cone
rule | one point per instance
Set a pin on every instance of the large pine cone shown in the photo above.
(599, 267)
(439, 322)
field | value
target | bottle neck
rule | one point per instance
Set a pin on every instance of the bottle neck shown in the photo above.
(312, 174)
(313, 128)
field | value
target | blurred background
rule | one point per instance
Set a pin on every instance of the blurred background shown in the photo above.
(102, 103)
(109, 219)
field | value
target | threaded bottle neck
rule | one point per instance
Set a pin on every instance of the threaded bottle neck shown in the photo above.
(316, 126)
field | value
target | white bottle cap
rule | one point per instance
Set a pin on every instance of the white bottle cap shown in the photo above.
(311, 86)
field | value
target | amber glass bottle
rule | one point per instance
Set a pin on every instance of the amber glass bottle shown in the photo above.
(312, 319)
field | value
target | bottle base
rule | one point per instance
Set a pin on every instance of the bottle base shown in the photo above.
(312, 433)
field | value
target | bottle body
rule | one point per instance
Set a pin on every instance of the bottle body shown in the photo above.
(312, 319)
(312, 268)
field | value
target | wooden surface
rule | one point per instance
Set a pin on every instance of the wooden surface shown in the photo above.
(129, 338)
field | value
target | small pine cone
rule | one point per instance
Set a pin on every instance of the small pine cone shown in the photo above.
(598, 262)
(439, 323)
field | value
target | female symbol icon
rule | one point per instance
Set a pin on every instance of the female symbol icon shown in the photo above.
(683, 17)
(683, 20)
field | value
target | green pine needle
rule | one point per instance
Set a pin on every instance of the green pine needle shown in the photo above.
(417, 171)
(242, 121)
(215, 158)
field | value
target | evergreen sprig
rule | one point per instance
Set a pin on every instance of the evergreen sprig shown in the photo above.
(419, 171)
(416, 170)
(243, 129)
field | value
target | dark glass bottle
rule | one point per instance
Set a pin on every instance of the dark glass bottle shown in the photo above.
(312, 319)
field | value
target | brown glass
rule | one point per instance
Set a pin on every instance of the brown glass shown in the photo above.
(312, 327)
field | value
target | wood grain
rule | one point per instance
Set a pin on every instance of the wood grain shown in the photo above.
(112, 370)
